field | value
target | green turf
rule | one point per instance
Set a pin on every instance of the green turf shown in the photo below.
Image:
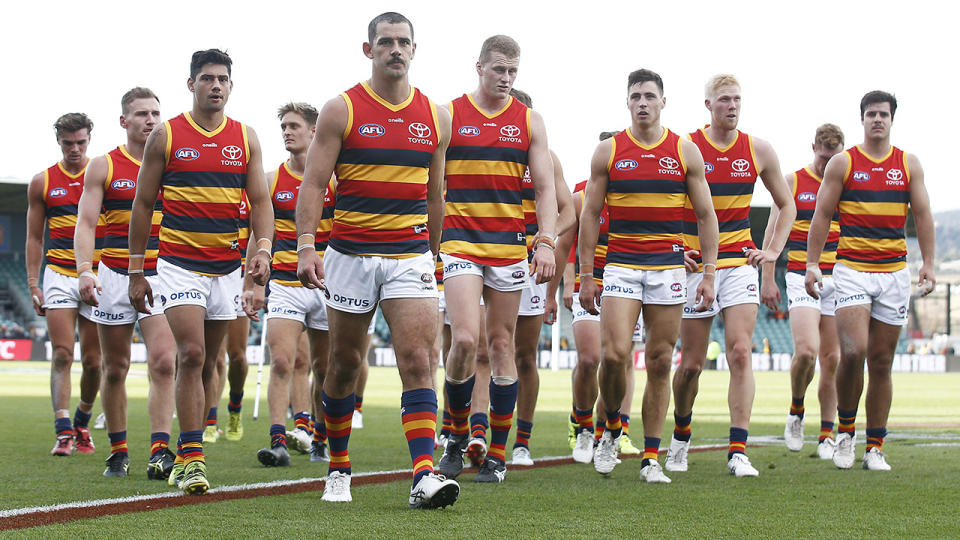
(795, 496)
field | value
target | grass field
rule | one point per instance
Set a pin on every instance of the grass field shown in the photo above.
(796, 495)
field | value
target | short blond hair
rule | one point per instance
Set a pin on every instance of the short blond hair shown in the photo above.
(505, 45)
(719, 81)
(828, 136)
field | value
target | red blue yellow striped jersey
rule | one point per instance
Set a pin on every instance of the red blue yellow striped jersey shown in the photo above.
(731, 174)
(119, 190)
(382, 173)
(243, 224)
(873, 211)
(600, 254)
(530, 225)
(806, 184)
(284, 194)
(645, 199)
(61, 196)
(486, 160)
(438, 274)
(203, 185)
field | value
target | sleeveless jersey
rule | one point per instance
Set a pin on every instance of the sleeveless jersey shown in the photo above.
(529, 204)
(243, 230)
(600, 254)
(118, 193)
(61, 195)
(645, 199)
(806, 183)
(873, 211)
(203, 182)
(382, 174)
(486, 159)
(731, 174)
(284, 194)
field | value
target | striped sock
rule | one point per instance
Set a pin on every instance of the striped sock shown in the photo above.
(338, 415)
(278, 435)
(458, 401)
(625, 422)
(584, 419)
(80, 418)
(192, 446)
(601, 427)
(479, 423)
(847, 421)
(614, 426)
(523, 433)
(63, 426)
(211, 417)
(178, 460)
(681, 429)
(796, 407)
(358, 406)
(503, 399)
(651, 449)
(301, 420)
(875, 438)
(236, 402)
(319, 431)
(826, 431)
(738, 442)
(447, 425)
(118, 441)
(418, 410)
(159, 441)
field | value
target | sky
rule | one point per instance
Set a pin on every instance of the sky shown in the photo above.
(800, 64)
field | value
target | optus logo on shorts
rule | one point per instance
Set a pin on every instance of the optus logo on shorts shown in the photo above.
(188, 295)
(349, 301)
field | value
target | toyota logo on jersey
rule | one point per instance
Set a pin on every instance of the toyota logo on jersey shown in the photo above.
(419, 130)
(740, 165)
(232, 152)
(669, 163)
(510, 131)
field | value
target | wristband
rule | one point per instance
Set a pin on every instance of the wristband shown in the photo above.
(135, 271)
(710, 264)
(87, 264)
(136, 256)
(311, 235)
(267, 247)
(32, 281)
(265, 250)
(816, 264)
(302, 247)
(540, 239)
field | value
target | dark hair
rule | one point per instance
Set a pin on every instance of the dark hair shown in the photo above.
(71, 122)
(522, 97)
(878, 96)
(209, 56)
(604, 135)
(307, 111)
(644, 75)
(136, 93)
(389, 17)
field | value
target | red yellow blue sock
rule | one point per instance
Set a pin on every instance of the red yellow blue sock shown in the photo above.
(479, 423)
(524, 428)
(338, 415)
(301, 420)
(738, 442)
(419, 416)
(118, 441)
(875, 438)
(159, 441)
(847, 422)
(458, 401)
(681, 429)
(796, 406)
(625, 422)
(63, 426)
(358, 406)
(278, 435)
(584, 419)
(235, 403)
(192, 445)
(503, 399)
(613, 424)
(211, 417)
(651, 449)
(447, 426)
(826, 431)
(80, 418)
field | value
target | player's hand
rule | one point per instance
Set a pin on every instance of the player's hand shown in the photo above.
(568, 298)
(37, 293)
(259, 268)
(813, 280)
(756, 257)
(770, 294)
(543, 265)
(927, 280)
(550, 310)
(689, 260)
(310, 269)
(590, 295)
(706, 293)
(89, 287)
(139, 289)
(252, 301)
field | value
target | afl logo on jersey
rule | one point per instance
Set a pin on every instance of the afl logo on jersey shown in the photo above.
(807, 197)
(123, 184)
(861, 176)
(707, 167)
(56, 193)
(626, 165)
(232, 152)
(283, 196)
(469, 131)
(186, 154)
(419, 130)
(740, 165)
(371, 130)
(669, 163)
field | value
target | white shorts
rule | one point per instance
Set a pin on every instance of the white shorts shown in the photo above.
(533, 300)
(502, 278)
(115, 307)
(659, 287)
(582, 315)
(299, 304)
(219, 295)
(356, 283)
(734, 286)
(797, 295)
(887, 293)
(63, 292)
(442, 302)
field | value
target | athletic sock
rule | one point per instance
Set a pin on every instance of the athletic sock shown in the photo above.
(796, 406)
(601, 427)
(418, 413)
(523, 433)
(651, 449)
(159, 441)
(826, 431)
(236, 402)
(178, 459)
(625, 422)
(211, 417)
(192, 446)
(358, 406)
(584, 419)
(681, 430)
(319, 431)
(338, 415)
(63, 426)
(278, 435)
(301, 420)
(614, 426)
(80, 418)
(738, 442)
(875, 438)
(503, 399)
(479, 423)
(447, 427)
(847, 422)
(458, 401)
(118, 441)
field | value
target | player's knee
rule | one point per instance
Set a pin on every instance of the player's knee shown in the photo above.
(657, 364)
(191, 356)
(162, 367)
(740, 356)
(62, 358)
(689, 371)
(90, 360)
(464, 342)
(804, 354)
(588, 363)
(115, 372)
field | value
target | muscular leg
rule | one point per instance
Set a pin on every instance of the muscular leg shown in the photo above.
(116, 363)
(195, 362)
(829, 357)
(527, 339)
(161, 361)
(585, 389)
(283, 337)
(694, 336)
(853, 327)
(663, 327)
(880, 350)
(90, 360)
(617, 321)
(300, 376)
(237, 337)
(805, 325)
(739, 322)
(501, 327)
(60, 328)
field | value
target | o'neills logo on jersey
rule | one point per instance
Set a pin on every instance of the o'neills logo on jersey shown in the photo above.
(283, 196)
(186, 154)
(807, 197)
(669, 165)
(469, 131)
(420, 132)
(233, 155)
(626, 165)
(895, 177)
(510, 133)
(371, 130)
(741, 168)
(123, 184)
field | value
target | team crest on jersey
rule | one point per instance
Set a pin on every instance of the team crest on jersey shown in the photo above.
(861, 176)
(283, 196)
(807, 196)
(707, 167)
(232, 152)
(626, 165)
(469, 131)
(123, 184)
(186, 154)
(56, 193)
(371, 130)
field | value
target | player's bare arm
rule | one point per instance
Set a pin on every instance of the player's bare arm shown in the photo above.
(141, 214)
(567, 218)
(261, 212)
(321, 160)
(252, 299)
(84, 235)
(769, 292)
(772, 178)
(923, 220)
(36, 220)
(595, 195)
(699, 192)
(436, 180)
(541, 172)
(828, 197)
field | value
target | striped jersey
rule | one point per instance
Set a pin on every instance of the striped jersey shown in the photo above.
(486, 160)
(119, 190)
(530, 225)
(806, 183)
(284, 193)
(243, 227)
(873, 211)
(731, 173)
(203, 181)
(61, 196)
(600, 254)
(382, 173)
(645, 200)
